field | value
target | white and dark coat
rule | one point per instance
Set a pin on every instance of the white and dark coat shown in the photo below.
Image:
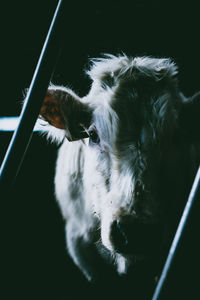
(129, 154)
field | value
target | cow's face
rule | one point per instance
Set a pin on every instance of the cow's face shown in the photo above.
(132, 142)
(135, 161)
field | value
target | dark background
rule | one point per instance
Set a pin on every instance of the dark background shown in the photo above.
(35, 263)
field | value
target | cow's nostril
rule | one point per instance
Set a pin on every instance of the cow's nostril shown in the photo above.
(132, 236)
(118, 236)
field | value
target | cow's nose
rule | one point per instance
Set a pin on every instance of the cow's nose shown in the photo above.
(131, 236)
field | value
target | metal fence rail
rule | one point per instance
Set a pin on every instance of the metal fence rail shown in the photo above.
(42, 75)
(194, 194)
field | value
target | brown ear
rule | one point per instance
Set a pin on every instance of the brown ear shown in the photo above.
(51, 112)
(63, 109)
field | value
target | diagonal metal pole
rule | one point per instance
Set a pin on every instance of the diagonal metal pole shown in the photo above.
(42, 75)
(194, 194)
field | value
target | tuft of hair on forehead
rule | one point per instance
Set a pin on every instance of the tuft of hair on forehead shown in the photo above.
(116, 67)
(157, 68)
(108, 64)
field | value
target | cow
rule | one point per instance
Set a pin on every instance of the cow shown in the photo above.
(128, 156)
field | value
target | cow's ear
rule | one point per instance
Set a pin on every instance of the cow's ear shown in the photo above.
(63, 109)
(189, 117)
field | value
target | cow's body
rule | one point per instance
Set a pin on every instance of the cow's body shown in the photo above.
(122, 190)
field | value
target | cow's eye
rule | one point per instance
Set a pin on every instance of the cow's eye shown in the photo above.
(94, 138)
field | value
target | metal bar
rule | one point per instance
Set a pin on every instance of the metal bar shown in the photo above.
(42, 75)
(195, 192)
(10, 124)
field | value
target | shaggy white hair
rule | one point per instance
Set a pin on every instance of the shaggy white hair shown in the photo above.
(123, 154)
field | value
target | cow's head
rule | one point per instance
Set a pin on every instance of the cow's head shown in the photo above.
(140, 154)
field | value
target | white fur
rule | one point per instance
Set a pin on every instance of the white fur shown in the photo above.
(87, 202)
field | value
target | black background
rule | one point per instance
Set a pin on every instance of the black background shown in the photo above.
(35, 263)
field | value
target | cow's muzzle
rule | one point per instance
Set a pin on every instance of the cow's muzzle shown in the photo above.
(132, 236)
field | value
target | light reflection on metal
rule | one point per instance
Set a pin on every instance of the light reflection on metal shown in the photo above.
(10, 124)
(32, 104)
(194, 194)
